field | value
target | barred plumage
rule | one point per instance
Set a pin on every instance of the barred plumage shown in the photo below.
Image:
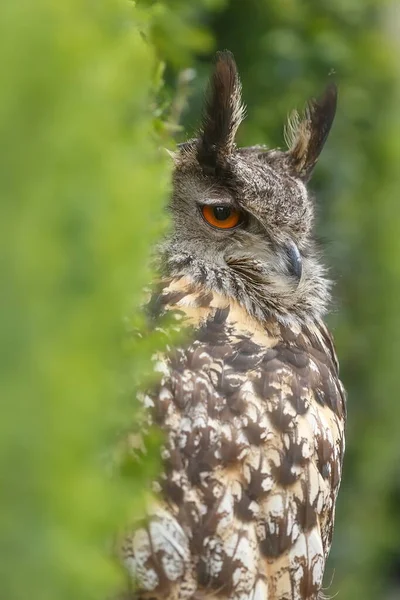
(251, 402)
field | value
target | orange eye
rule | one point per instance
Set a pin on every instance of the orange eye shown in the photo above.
(223, 217)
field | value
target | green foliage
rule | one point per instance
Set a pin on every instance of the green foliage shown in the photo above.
(82, 182)
(82, 185)
(178, 28)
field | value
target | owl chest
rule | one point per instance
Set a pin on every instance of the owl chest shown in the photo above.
(247, 422)
(253, 424)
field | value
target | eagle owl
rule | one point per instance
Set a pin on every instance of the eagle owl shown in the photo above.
(249, 399)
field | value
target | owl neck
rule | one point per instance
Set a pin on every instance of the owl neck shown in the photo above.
(263, 295)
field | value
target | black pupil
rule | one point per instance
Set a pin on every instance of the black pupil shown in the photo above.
(221, 213)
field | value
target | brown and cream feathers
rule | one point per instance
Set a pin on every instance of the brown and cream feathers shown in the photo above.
(250, 403)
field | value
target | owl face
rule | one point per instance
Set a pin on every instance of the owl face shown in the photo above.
(250, 208)
(246, 212)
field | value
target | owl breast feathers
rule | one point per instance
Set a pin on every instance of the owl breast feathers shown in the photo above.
(249, 398)
(254, 416)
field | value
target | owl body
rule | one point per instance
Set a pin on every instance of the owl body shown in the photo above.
(249, 400)
(253, 414)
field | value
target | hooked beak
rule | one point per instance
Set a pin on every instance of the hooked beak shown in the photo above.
(295, 262)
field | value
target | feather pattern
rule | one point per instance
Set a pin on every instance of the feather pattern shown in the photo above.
(253, 415)
(250, 403)
(305, 136)
(223, 111)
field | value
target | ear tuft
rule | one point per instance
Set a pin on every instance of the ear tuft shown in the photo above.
(306, 136)
(223, 111)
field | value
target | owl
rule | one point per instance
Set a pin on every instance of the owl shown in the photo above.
(249, 398)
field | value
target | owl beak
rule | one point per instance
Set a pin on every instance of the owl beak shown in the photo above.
(295, 262)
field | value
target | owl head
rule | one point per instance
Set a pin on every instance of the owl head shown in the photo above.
(242, 218)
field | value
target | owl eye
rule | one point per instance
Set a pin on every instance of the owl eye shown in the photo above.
(222, 217)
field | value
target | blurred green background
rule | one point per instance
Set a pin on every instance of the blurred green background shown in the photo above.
(86, 91)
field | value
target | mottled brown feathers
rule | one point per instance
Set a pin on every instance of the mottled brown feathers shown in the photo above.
(249, 398)
(253, 419)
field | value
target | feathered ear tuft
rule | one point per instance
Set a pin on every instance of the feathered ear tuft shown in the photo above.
(223, 111)
(306, 136)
